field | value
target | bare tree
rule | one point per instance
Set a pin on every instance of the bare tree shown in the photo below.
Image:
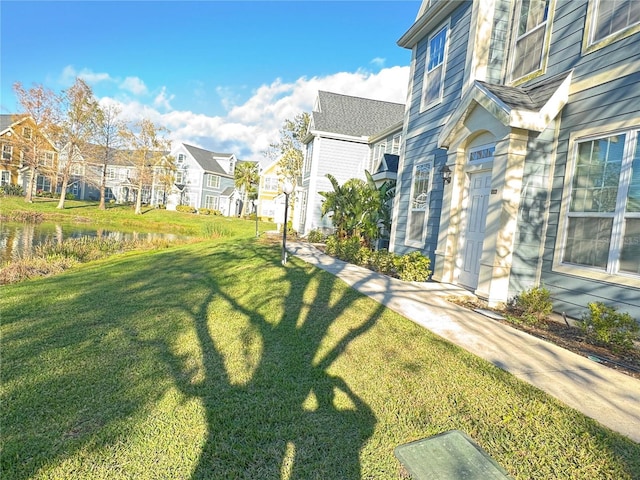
(107, 142)
(78, 124)
(148, 147)
(38, 127)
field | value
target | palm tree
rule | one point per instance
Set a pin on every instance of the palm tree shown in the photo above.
(246, 176)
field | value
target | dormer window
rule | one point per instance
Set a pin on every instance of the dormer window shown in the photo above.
(181, 157)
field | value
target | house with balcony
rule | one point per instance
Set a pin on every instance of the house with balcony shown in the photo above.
(521, 157)
(347, 135)
(204, 179)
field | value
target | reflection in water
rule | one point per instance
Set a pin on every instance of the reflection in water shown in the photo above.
(18, 240)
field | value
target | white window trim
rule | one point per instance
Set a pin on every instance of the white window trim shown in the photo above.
(8, 149)
(588, 43)
(212, 199)
(409, 241)
(424, 105)
(545, 48)
(211, 183)
(593, 273)
(271, 183)
(3, 180)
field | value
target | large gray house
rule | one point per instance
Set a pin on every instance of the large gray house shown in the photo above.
(347, 135)
(521, 158)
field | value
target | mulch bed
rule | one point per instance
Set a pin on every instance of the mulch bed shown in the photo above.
(570, 338)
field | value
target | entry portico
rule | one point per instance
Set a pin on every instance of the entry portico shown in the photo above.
(488, 137)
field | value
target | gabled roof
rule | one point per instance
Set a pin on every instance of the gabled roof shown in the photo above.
(354, 116)
(206, 159)
(8, 120)
(528, 107)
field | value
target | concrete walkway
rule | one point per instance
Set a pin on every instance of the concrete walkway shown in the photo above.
(610, 397)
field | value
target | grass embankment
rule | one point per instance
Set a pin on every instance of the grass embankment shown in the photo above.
(54, 256)
(211, 360)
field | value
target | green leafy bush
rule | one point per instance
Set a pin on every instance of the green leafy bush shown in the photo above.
(205, 211)
(383, 261)
(316, 236)
(606, 325)
(532, 306)
(12, 190)
(412, 267)
(185, 209)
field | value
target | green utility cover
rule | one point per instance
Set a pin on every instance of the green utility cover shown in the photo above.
(450, 455)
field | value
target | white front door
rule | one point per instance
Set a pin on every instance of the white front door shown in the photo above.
(473, 228)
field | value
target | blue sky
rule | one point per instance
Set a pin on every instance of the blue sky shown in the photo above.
(219, 75)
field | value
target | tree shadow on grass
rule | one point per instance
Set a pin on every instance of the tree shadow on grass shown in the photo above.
(86, 363)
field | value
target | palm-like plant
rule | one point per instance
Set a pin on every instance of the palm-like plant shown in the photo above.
(359, 208)
(246, 176)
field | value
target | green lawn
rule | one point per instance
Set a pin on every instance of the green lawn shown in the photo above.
(212, 360)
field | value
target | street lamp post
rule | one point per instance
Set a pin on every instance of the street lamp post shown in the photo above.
(287, 188)
(255, 211)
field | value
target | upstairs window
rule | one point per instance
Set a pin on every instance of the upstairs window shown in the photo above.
(530, 33)
(213, 181)
(308, 157)
(395, 146)
(181, 158)
(603, 224)
(610, 17)
(434, 68)
(7, 152)
(26, 133)
(271, 184)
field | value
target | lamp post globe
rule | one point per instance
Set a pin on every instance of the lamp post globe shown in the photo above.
(287, 188)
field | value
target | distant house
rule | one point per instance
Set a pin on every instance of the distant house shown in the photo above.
(521, 159)
(14, 131)
(269, 189)
(346, 136)
(205, 179)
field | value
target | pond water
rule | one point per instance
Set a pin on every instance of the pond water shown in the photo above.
(19, 239)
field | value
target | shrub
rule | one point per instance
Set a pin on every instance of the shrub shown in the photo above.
(316, 236)
(349, 250)
(331, 245)
(606, 325)
(185, 209)
(382, 261)
(12, 190)
(412, 267)
(205, 211)
(533, 305)
(69, 196)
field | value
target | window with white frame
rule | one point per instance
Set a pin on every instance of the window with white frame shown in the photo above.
(213, 181)
(612, 16)
(7, 152)
(179, 177)
(530, 32)
(5, 177)
(418, 209)
(308, 157)
(212, 202)
(378, 153)
(434, 68)
(181, 157)
(395, 145)
(26, 132)
(603, 218)
(46, 159)
(270, 184)
(43, 184)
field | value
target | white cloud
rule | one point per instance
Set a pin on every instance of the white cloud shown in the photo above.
(163, 100)
(248, 128)
(378, 62)
(69, 75)
(134, 85)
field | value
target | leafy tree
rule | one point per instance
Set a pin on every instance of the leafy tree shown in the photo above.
(148, 148)
(246, 177)
(79, 115)
(34, 142)
(108, 140)
(289, 149)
